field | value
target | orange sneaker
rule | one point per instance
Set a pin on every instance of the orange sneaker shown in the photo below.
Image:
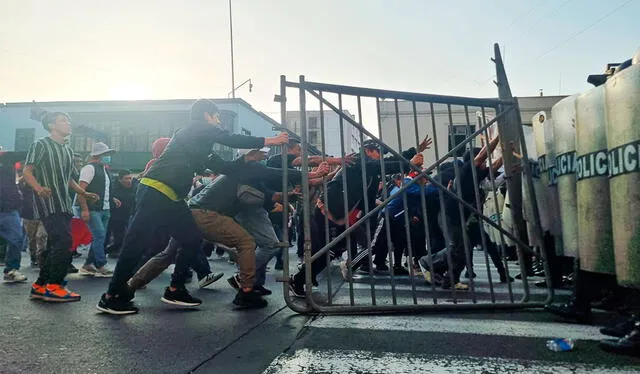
(59, 294)
(37, 291)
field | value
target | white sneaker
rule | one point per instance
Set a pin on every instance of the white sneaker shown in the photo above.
(209, 279)
(89, 270)
(103, 272)
(344, 271)
(14, 276)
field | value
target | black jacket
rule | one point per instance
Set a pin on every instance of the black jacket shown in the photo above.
(10, 195)
(355, 199)
(126, 197)
(221, 194)
(189, 150)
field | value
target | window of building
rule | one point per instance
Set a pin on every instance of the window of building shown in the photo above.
(313, 137)
(457, 135)
(24, 138)
(313, 123)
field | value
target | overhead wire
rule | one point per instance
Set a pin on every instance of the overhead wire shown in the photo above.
(580, 32)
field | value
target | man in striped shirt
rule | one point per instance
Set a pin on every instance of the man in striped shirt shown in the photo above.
(48, 170)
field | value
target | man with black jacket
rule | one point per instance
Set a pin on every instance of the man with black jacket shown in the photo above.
(123, 190)
(10, 224)
(333, 206)
(160, 204)
(214, 209)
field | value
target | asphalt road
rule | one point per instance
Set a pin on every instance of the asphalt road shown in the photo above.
(37, 337)
(216, 338)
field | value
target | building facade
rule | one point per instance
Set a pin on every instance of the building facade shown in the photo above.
(450, 128)
(332, 133)
(128, 126)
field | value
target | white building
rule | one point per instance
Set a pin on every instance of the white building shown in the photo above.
(449, 136)
(331, 131)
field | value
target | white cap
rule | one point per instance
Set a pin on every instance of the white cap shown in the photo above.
(100, 148)
(242, 152)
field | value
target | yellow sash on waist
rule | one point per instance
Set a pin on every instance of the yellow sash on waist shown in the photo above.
(160, 187)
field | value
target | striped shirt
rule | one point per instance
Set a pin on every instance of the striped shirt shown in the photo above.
(52, 167)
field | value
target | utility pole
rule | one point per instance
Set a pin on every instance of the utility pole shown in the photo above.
(233, 74)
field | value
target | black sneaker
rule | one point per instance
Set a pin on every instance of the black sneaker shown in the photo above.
(251, 299)
(382, 267)
(263, 291)
(116, 306)
(296, 289)
(180, 297)
(399, 270)
(72, 269)
(621, 329)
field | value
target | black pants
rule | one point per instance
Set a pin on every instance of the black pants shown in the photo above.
(56, 257)
(398, 241)
(117, 227)
(318, 241)
(155, 212)
(475, 238)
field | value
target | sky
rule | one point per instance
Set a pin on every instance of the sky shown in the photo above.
(164, 49)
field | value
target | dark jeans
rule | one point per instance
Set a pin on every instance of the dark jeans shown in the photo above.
(398, 241)
(475, 238)
(456, 247)
(117, 227)
(56, 257)
(318, 240)
(154, 212)
(280, 234)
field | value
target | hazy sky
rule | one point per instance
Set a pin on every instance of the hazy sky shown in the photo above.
(156, 49)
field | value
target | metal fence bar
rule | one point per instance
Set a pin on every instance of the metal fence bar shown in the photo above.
(420, 308)
(346, 203)
(463, 221)
(306, 216)
(327, 235)
(407, 223)
(423, 203)
(498, 211)
(366, 209)
(285, 258)
(479, 204)
(385, 196)
(399, 95)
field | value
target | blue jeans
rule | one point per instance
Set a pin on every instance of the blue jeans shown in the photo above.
(98, 226)
(257, 223)
(11, 230)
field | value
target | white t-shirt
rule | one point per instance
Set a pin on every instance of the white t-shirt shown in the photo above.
(86, 175)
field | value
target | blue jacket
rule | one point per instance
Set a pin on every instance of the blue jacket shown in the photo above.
(396, 206)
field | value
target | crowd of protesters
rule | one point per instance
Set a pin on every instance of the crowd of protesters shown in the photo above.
(188, 200)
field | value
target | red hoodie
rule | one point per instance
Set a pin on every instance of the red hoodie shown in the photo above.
(157, 148)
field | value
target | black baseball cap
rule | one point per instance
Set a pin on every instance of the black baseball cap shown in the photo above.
(374, 145)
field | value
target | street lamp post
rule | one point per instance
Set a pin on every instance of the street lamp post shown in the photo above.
(233, 77)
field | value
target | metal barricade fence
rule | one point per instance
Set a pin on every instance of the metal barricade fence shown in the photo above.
(379, 293)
